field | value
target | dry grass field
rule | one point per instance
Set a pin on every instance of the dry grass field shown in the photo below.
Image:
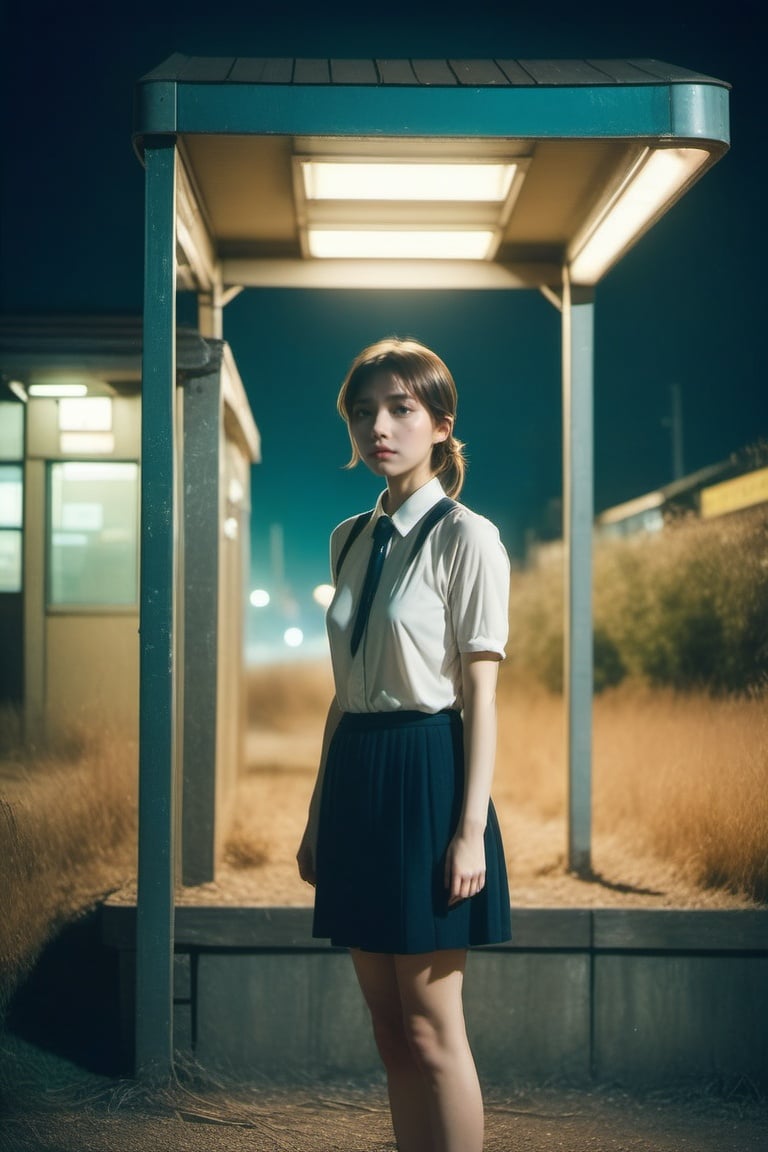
(680, 796)
(67, 836)
(680, 807)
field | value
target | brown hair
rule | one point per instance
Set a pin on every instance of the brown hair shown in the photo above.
(422, 373)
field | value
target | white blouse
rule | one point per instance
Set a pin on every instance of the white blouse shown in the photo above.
(453, 598)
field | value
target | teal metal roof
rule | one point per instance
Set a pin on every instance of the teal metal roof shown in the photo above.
(578, 127)
(481, 98)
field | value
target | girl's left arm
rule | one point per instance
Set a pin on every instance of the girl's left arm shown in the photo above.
(465, 859)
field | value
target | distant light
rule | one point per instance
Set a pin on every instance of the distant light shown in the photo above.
(259, 598)
(57, 390)
(231, 527)
(654, 183)
(323, 594)
(396, 244)
(402, 180)
(293, 637)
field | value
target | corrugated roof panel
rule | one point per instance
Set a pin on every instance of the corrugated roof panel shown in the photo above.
(515, 72)
(673, 73)
(425, 72)
(260, 70)
(623, 71)
(396, 72)
(478, 72)
(354, 72)
(311, 72)
(249, 70)
(564, 73)
(437, 72)
(211, 69)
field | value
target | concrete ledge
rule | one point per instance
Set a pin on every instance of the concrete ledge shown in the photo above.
(672, 930)
(635, 996)
(224, 926)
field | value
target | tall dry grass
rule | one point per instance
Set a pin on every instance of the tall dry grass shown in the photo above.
(688, 776)
(681, 713)
(680, 780)
(288, 697)
(680, 777)
(67, 836)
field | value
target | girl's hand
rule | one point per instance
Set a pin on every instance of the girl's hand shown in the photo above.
(465, 866)
(305, 858)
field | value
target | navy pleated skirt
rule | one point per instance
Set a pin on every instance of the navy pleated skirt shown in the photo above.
(391, 801)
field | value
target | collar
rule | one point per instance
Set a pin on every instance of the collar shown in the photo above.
(415, 507)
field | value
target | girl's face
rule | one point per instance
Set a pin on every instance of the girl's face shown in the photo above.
(394, 433)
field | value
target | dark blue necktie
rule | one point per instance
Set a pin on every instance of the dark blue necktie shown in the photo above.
(382, 533)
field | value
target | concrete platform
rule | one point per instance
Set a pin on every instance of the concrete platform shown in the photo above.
(635, 997)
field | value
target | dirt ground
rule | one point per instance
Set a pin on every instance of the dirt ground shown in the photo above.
(50, 1105)
(260, 867)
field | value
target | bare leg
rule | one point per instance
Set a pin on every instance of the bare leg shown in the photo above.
(409, 1093)
(431, 995)
(418, 1022)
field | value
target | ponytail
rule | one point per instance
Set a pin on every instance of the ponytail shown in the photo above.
(450, 465)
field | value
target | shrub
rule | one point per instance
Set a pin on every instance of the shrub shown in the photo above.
(687, 609)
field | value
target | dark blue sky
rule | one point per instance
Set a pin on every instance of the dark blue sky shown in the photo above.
(686, 307)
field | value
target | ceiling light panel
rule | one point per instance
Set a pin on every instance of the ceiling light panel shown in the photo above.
(391, 244)
(392, 180)
(383, 208)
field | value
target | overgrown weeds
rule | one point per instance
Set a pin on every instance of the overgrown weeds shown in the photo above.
(67, 835)
(685, 609)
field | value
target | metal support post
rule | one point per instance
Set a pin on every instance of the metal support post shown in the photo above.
(157, 711)
(578, 363)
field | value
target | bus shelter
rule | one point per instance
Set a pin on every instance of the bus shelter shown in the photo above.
(467, 174)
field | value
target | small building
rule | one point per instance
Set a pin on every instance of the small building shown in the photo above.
(70, 486)
(730, 486)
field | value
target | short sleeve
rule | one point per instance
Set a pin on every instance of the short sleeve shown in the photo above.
(478, 590)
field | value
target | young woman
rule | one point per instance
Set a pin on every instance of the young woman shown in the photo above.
(402, 842)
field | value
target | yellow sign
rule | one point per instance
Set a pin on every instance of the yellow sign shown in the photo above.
(741, 492)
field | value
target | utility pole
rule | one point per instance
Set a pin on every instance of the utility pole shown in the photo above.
(676, 430)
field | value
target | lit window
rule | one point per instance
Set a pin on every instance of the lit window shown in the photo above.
(10, 560)
(94, 533)
(11, 431)
(11, 489)
(90, 414)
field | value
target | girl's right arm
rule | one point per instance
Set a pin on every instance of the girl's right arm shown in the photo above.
(305, 856)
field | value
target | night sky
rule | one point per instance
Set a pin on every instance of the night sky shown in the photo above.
(686, 307)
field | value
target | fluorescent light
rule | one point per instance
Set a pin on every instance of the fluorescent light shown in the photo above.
(354, 180)
(383, 244)
(655, 181)
(18, 389)
(86, 443)
(57, 390)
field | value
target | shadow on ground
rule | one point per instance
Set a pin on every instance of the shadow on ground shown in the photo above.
(69, 1005)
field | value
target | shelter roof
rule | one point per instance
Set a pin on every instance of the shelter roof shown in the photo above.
(579, 131)
(422, 73)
